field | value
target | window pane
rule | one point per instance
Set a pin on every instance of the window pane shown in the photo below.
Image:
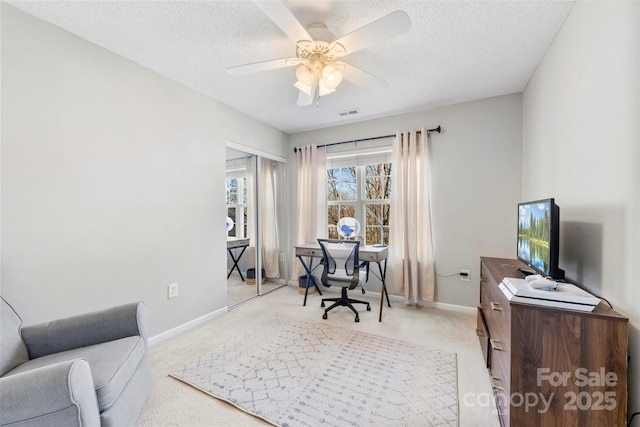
(232, 191)
(347, 210)
(333, 215)
(377, 223)
(333, 233)
(378, 181)
(375, 234)
(244, 190)
(245, 221)
(341, 184)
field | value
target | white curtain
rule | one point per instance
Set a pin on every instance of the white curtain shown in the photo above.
(267, 197)
(411, 268)
(311, 203)
(250, 220)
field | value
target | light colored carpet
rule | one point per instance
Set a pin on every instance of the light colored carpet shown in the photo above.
(302, 373)
(173, 403)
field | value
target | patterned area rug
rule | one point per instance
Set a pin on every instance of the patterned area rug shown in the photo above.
(299, 373)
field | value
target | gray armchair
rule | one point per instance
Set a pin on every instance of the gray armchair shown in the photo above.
(86, 370)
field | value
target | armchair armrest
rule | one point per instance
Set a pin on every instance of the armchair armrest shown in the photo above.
(86, 329)
(59, 394)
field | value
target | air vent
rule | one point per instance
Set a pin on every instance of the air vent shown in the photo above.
(351, 112)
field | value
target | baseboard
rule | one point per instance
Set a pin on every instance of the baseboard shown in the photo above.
(163, 336)
(449, 307)
(400, 299)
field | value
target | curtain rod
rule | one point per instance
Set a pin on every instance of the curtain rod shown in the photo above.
(438, 129)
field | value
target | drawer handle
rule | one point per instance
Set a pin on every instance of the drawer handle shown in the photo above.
(495, 344)
(479, 332)
(495, 306)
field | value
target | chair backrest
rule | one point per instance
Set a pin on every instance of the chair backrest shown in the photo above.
(13, 351)
(347, 250)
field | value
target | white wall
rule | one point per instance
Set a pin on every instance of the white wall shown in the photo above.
(112, 180)
(475, 182)
(581, 145)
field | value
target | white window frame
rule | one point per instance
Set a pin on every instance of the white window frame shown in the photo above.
(241, 201)
(360, 158)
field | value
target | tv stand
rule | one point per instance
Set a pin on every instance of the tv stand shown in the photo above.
(526, 272)
(550, 366)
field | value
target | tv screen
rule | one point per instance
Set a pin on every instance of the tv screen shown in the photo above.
(538, 236)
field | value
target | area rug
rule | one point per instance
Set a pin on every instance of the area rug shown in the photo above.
(299, 373)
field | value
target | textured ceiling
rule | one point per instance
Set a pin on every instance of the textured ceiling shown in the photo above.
(455, 51)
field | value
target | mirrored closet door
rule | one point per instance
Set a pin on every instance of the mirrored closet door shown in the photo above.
(256, 225)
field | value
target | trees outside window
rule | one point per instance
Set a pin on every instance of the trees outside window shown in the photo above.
(236, 195)
(362, 192)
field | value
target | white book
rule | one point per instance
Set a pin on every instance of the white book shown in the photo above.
(544, 302)
(565, 292)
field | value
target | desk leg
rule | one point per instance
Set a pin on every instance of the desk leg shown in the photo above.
(384, 292)
(308, 269)
(235, 262)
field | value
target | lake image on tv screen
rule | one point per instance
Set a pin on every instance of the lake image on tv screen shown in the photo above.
(534, 225)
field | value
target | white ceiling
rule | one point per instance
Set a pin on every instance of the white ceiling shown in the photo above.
(455, 51)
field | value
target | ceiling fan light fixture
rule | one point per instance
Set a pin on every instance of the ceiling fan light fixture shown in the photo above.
(305, 76)
(323, 89)
(331, 77)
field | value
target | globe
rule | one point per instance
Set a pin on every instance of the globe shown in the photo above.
(229, 224)
(348, 227)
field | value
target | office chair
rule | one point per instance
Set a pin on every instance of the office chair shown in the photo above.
(348, 278)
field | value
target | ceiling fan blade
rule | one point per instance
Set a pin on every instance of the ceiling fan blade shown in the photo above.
(376, 32)
(255, 67)
(280, 14)
(359, 77)
(306, 99)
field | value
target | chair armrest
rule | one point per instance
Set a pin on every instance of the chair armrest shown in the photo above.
(86, 329)
(59, 394)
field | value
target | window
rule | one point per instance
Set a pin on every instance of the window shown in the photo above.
(236, 189)
(363, 192)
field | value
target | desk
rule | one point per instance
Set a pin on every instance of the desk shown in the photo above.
(369, 253)
(234, 243)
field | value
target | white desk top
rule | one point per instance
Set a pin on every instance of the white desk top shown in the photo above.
(366, 252)
(237, 242)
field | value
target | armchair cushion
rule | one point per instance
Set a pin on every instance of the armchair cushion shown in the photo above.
(112, 365)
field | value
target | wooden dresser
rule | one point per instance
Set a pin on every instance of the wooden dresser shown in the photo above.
(550, 366)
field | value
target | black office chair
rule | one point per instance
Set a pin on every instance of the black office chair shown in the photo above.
(348, 278)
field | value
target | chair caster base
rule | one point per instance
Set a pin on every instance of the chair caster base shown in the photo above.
(368, 308)
(324, 316)
(357, 319)
(322, 304)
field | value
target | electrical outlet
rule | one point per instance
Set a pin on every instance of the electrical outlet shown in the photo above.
(464, 275)
(172, 290)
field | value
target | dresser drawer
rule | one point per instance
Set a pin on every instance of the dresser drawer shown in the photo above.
(500, 376)
(496, 310)
(483, 336)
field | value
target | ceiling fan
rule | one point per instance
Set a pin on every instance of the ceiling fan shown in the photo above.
(318, 70)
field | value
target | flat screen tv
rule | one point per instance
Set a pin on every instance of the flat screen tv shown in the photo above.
(539, 236)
